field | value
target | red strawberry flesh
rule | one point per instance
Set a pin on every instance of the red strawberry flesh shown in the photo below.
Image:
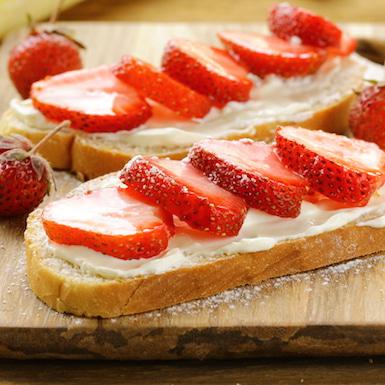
(346, 46)
(164, 117)
(110, 221)
(286, 21)
(185, 192)
(329, 204)
(94, 100)
(265, 55)
(208, 70)
(343, 169)
(253, 171)
(162, 88)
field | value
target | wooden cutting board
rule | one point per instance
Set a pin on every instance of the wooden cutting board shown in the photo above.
(335, 311)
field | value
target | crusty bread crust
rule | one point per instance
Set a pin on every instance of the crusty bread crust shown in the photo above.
(69, 290)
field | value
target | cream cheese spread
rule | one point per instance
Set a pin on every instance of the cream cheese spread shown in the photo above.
(273, 99)
(259, 232)
(27, 114)
(376, 223)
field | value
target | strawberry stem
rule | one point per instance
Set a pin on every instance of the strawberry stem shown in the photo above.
(55, 13)
(65, 123)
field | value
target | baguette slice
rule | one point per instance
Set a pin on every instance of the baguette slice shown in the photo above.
(66, 288)
(92, 155)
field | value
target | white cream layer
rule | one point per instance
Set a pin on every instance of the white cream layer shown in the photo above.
(272, 99)
(376, 223)
(259, 232)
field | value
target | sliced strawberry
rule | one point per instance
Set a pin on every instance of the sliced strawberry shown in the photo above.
(328, 204)
(185, 192)
(343, 169)
(207, 70)
(94, 100)
(164, 117)
(346, 46)
(110, 221)
(162, 88)
(265, 55)
(286, 21)
(253, 171)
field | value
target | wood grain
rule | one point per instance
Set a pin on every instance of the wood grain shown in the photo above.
(230, 372)
(336, 311)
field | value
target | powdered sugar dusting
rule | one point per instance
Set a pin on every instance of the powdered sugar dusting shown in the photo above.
(246, 295)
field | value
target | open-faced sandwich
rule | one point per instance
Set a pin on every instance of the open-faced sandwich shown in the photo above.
(232, 213)
(304, 72)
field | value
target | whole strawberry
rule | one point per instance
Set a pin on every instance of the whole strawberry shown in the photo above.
(367, 115)
(42, 54)
(25, 177)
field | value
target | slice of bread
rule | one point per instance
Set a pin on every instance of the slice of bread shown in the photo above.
(67, 288)
(92, 155)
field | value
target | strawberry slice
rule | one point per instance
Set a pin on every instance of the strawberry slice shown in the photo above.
(286, 21)
(164, 117)
(343, 169)
(94, 100)
(346, 46)
(185, 192)
(265, 55)
(160, 87)
(328, 204)
(253, 171)
(110, 221)
(207, 70)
